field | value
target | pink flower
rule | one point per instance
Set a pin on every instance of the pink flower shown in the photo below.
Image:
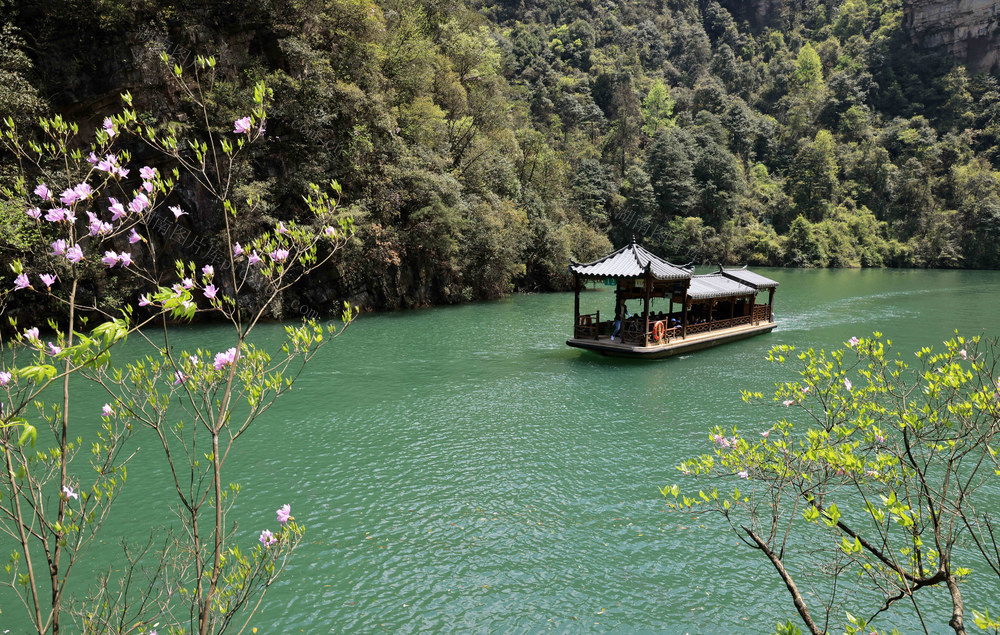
(22, 282)
(110, 258)
(179, 378)
(267, 538)
(242, 126)
(107, 410)
(69, 196)
(964, 354)
(117, 209)
(254, 258)
(109, 164)
(147, 186)
(853, 342)
(134, 237)
(139, 203)
(147, 173)
(330, 232)
(284, 513)
(787, 402)
(55, 215)
(74, 254)
(178, 212)
(765, 433)
(743, 474)
(282, 229)
(92, 158)
(54, 350)
(805, 390)
(35, 213)
(83, 191)
(188, 283)
(68, 493)
(237, 250)
(225, 359)
(279, 254)
(848, 385)
(144, 300)
(109, 127)
(210, 291)
(31, 334)
(194, 360)
(5, 377)
(208, 271)
(125, 259)
(48, 278)
(42, 191)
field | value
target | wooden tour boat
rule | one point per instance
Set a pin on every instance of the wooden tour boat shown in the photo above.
(710, 309)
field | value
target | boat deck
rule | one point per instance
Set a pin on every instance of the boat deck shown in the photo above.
(676, 346)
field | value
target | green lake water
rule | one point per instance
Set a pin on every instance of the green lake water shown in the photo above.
(461, 469)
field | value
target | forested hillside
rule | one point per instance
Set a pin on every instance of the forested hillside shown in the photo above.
(482, 145)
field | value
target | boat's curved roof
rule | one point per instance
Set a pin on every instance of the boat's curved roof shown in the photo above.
(631, 261)
(717, 285)
(747, 277)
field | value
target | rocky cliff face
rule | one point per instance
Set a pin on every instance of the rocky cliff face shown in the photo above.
(969, 30)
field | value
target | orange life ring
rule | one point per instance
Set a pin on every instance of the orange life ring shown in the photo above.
(658, 330)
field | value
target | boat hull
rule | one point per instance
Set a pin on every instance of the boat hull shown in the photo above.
(678, 346)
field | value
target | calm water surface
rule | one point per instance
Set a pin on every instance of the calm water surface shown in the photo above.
(461, 469)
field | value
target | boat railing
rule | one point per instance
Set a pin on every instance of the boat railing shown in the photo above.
(588, 326)
(718, 325)
(761, 313)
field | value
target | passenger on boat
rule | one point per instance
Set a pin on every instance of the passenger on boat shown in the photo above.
(618, 325)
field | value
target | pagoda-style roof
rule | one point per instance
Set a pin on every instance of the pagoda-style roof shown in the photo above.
(716, 285)
(631, 261)
(747, 277)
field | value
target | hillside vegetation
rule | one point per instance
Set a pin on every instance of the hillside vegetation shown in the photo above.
(482, 145)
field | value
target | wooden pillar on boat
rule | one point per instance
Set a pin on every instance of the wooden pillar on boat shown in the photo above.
(770, 304)
(576, 302)
(645, 309)
(732, 308)
(684, 315)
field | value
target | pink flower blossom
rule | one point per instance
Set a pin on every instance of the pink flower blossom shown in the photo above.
(282, 229)
(134, 237)
(107, 410)
(765, 433)
(125, 259)
(144, 300)
(787, 402)
(109, 126)
(267, 538)
(42, 191)
(110, 258)
(5, 377)
(848, 385)
(330, 232)
(54, 350)
(743, 474)
(964, 354)
(69, 196)
(117, 209)
(147, 173)
(805, 390)
(68, 493)
(194, 360)
(48, 278)
(208, 271)
(254, 258)
(83, 191)
(188, 283)
(225, 359)
(109, 164)
(92, 158)
(853, 342)
(74, 254)
(284, 513)
(31, 335)
(35, 213)
(279, 254)
(55, 215)
(139, 203)
(147, 186)
(237, 250)
(22, 282)
(210, 291)
(242, 126)
(178, 212)
(179, 378)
